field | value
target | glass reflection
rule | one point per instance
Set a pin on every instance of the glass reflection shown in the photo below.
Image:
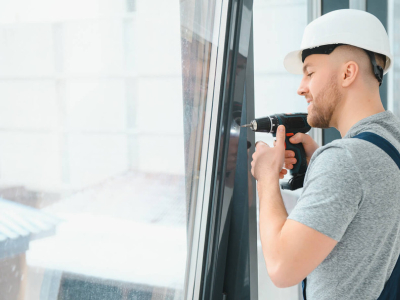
(197, 26)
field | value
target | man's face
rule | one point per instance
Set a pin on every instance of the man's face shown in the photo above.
(320, 88)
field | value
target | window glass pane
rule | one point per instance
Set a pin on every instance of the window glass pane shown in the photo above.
(276, 92)
(395, 41)
(328, 6)
(102, 108)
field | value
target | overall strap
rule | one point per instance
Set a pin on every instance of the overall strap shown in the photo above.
(304, 285)
(381, 143)
(391, 290)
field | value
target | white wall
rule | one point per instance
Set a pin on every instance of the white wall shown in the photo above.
(278, 29)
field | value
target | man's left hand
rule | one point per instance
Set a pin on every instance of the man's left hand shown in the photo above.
(269, 161)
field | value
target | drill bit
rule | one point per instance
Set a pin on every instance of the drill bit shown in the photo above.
(252, 125)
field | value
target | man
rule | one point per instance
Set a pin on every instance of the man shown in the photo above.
(343, 234)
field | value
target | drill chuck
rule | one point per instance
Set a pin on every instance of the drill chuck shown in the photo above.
(267, 124)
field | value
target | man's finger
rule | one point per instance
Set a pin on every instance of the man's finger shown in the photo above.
(297, 138)
(291, 161)
(280, 136)
(289, 153)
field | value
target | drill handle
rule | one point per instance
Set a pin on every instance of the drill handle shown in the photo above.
(300, 167)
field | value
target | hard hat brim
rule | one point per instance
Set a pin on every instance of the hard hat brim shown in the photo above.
(293, 63)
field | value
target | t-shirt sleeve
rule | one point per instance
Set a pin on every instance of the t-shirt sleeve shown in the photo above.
(332, 193)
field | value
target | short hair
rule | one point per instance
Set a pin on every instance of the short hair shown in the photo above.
(361, 57)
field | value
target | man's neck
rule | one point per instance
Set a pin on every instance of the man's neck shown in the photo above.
(356, 107)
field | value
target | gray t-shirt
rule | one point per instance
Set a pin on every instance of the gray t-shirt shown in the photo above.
(352, 194)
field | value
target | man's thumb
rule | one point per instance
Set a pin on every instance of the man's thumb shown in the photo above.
(280, 135)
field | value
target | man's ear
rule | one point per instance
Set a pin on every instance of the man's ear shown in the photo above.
(350, 73)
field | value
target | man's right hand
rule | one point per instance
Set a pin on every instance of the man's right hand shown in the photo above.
(309, 147)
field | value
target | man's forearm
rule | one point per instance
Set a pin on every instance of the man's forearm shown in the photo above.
(273, 216)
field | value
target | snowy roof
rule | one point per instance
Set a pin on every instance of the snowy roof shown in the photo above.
(123, 230)
(20, 224)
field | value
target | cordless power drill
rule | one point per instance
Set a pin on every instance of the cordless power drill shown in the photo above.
(294, 123)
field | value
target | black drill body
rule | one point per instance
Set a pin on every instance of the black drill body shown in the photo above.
(294, 123)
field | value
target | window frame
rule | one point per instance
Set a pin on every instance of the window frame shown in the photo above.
(206, 269)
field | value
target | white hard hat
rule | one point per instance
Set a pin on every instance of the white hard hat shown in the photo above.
(345, 26)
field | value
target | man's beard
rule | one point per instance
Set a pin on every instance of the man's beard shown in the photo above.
(321, 114)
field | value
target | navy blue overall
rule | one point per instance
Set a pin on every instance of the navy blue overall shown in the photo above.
(391, 290)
